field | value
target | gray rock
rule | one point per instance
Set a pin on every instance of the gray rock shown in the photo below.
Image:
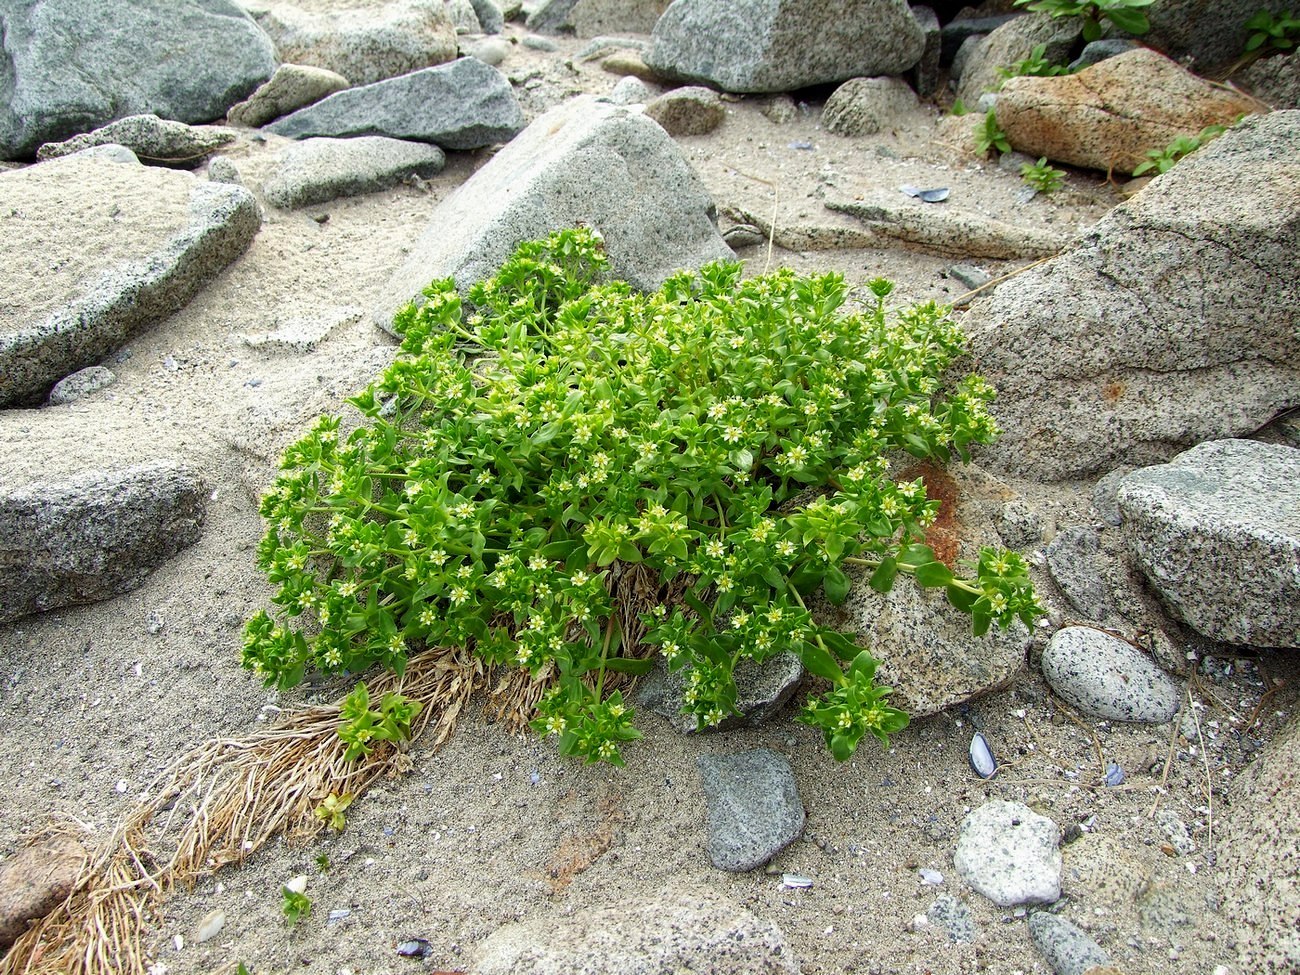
(1067, 948)
(1095, 52)
(1014, 41)
(151, 139)
(73, 65)
(302, 335)
(954, 917)
(292, 87)
(970, 275)
(92, 535)
(364, 45)
(1106, 677)
(865, 106)
(551, 17)
(754, 808)
(1105, 496)
(1208, 35)
(584, 161)
(1176, 831)
(688, 111)
(489, 50)
(489, 15)
(1009, 853)
(1275, 79)
(319, 170)
(1258, 849)
(464, 18)
(743, 235)
(780, 45)
(463, 105)
(762, 690)
(1216, 531)
(222, 169)
(81, 383)
(160, 236)
(675, 931)
(1074, 559)
(779, 109)
(591, 18)
(631, 91)
(1118, 355)
(927, 74)
(957, 32)
(970, 52)
(1019, 525)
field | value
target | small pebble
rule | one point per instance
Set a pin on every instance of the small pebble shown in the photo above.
(932, 877)
(801, 145)
(795, 881)
(1114, 774)
(210, 926)
(298, 884)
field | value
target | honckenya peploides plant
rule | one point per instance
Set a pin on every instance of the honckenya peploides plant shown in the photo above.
(564, 475)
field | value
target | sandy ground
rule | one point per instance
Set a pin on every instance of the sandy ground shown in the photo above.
(495, 827)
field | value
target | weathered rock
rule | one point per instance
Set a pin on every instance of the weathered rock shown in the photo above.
(34, 881)
(489, 50)
(292, 87)
(364, 45)
(1217, 533)
(926, 75)
(1074, 559)
(1258, 848)
(754, 808)
(779, 45)
(865, 106)
(762, 690)
(961, 29)
(159, 235)
(688, 111)
(954, 233)
(1097, 51)
(489, 14)
(463, 105)
(591, 18)
(550, 17)
(318, 170)
(1173, 321)
(1109, 116)
(1208, 35)
(628, 65)
(1106, 677)
(1010, 854)
(672, 932)
(1014, 41)
(153, 140)
(81, 383)
(584, 161)
(954, 917)
(464, 19)
(631, 91)
(1068, 949)
(303, 334)
(222, 169)
(72, 65)
(92, 534)
(1276, 80)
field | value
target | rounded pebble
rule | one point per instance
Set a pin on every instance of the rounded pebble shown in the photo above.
(1106, 677)
(1009, 853)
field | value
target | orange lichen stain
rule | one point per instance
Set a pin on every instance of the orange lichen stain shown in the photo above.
(1112, 391)
(944, 536)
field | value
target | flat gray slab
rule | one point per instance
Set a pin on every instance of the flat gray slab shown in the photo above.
(754, 808)
(97, 247)
(1216, 531)
(72, 65)
(462, 105)
(1010, 854)
(153, 140)
(318, 170)
(584, 162)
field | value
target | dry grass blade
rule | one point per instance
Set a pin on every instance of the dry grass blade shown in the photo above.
(217, 805)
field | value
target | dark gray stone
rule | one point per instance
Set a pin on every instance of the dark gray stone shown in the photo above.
(1210, 34)
(957, 32)
(72, 65)
(1067, 948)
(754, 810)
(585, 161)
(1118, 354)
(1014, 41)
(1019, 525)
(927, 71)
(1098, 51)
(551, 17)
(954, 917)
(1074, 560)
(1106, 677)
(970, 275)
(762, 690)
(591, 18)
(489, 15)
(865, 106)
(1010, 854)
(1216, 531)
(319, 170)
(92, 535)
(463, 105)
(1274, 79)
(81, 383)
(160, 235)
(1105, 496)
(153, 140)
(780, 45)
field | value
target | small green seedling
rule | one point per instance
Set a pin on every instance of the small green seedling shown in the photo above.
(1034, 66)
(1270, 33)
(989, 135)
(1162, 160)
(331, 811)
(296, 906)
(1042, 177)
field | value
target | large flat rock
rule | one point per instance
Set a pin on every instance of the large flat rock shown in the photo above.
(97, 247)
(1175, 320)
(585, 161)
(69, 66)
